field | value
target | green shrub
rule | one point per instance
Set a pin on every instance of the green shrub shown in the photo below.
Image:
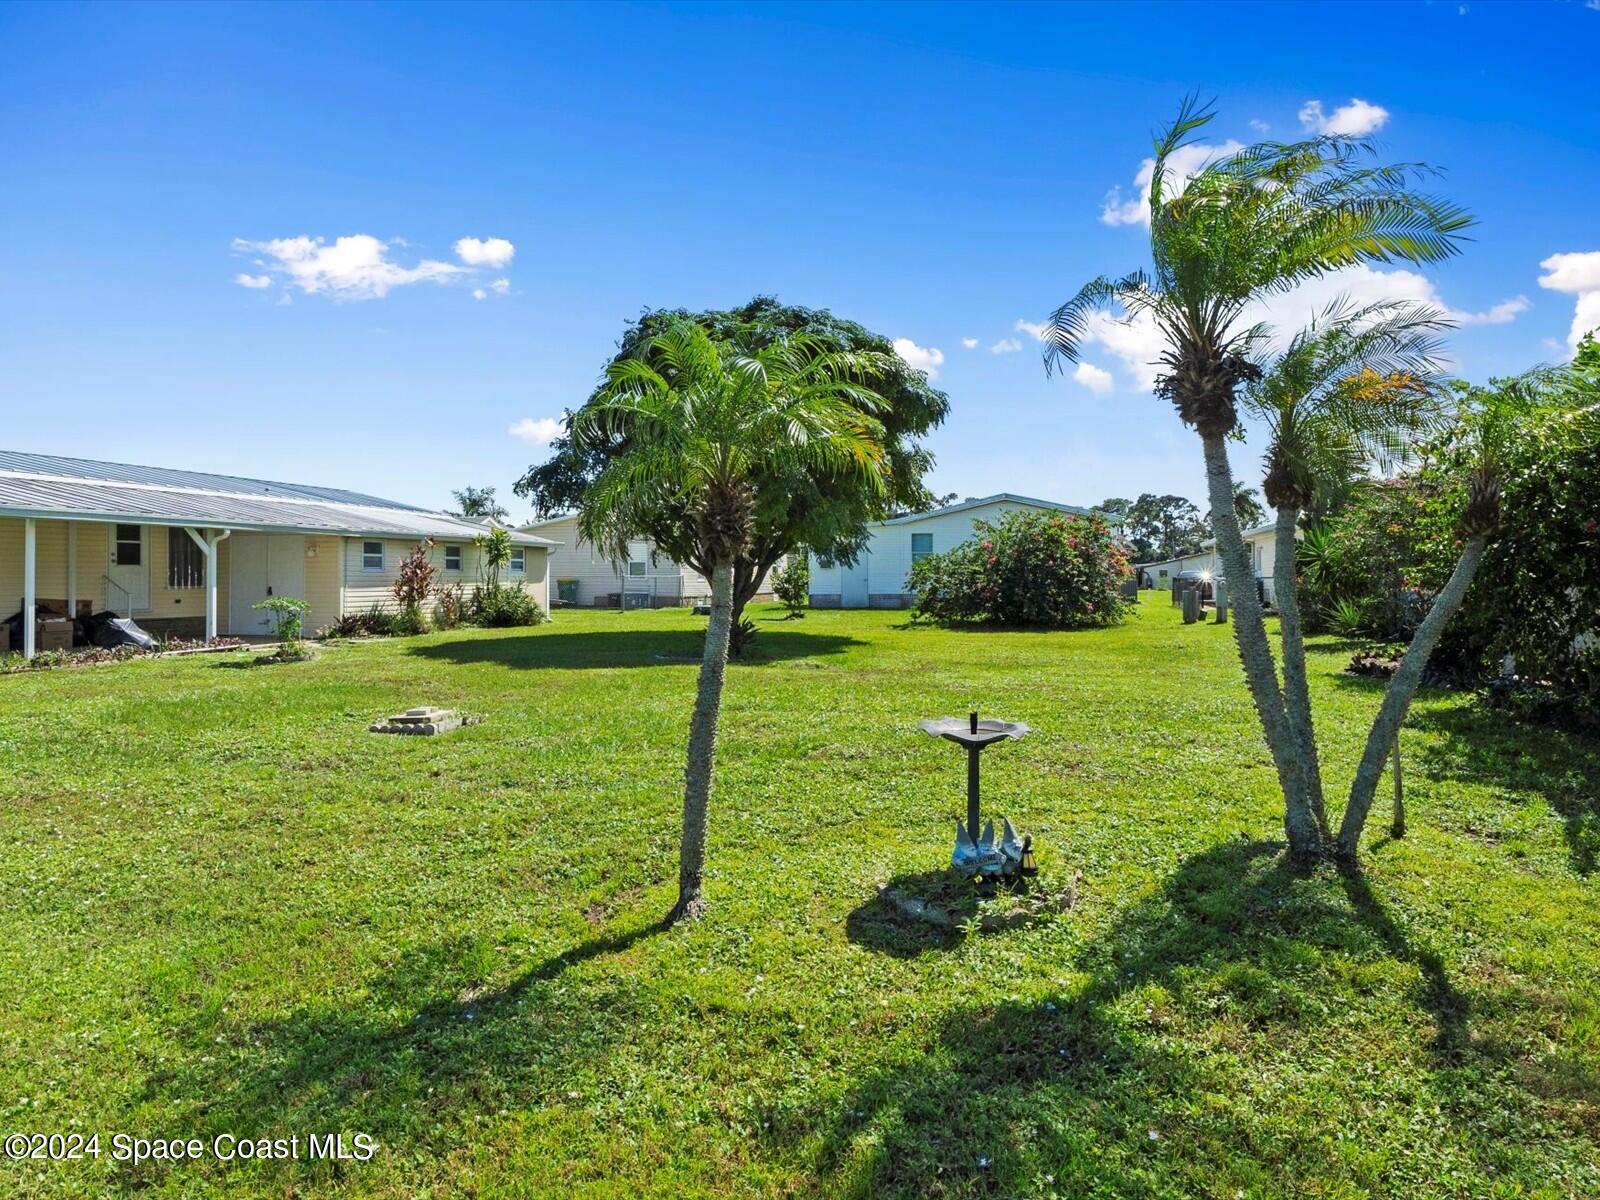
(791, 583)
(1536, 596)
(498, 607)
(1034, 569)
(374, 622)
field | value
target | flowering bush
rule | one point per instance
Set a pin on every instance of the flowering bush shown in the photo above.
(1038, 569)
(1536, 596)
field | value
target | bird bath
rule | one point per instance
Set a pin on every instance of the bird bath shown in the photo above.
(985, 855)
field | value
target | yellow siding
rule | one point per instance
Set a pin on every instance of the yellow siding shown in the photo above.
(324, 581)
(363, 589)
(94, 540)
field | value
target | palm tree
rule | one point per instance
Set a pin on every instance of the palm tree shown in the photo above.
(698, 421)
(1247, 508)
(1348, 393)
(1246, 227)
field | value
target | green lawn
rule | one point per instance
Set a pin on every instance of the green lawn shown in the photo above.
(230, 909)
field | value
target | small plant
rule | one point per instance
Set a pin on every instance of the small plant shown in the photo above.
(1346, 619)
(791, 583)
(374, 622)
(288, 614)
(414, 583)
(742, 633)
(451, 609)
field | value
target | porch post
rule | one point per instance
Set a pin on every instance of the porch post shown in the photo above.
(211, 586)
(30, 598)
(72, 569)
(208, 546)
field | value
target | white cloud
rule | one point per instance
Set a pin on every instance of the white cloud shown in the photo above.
(972, 343)
(1348, 120)
(254, 282)
(1094, 378)
(1500, 314)
(1577, 274)
(356, 267)
(1035, 330)
(1005, 346)
(500, 287)
(536, 431)
(1259, 125)
(1182, 166)
(922, 358)
(485, 252)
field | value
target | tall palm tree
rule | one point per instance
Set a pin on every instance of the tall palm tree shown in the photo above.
(699, 421)
(1246, 227)
(1348, 393)
(1247, 508)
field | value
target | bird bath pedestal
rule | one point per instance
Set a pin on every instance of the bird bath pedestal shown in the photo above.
(975, 736)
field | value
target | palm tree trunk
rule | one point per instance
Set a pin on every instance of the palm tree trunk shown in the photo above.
(1250, 631)
(701, 764)
(1397, 698)
(1297, 692)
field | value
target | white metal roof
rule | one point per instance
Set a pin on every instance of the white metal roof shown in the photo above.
(77, 489)
(980, 501)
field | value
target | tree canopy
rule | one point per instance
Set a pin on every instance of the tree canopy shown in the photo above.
(797, 507)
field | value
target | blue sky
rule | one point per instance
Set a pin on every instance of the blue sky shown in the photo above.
(940, 173)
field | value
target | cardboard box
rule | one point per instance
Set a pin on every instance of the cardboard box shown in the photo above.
(55, 634)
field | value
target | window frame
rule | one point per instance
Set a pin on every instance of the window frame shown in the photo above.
(460, 559)
(643, 568)
(136, 541)
(517, 564)
(383, 557)
(918, 555)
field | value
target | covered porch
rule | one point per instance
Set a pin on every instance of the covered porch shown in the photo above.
(172, 578)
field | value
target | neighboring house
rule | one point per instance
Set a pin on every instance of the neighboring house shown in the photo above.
(1261, 541)
(191, 553)
(878, 577)
(588, 577)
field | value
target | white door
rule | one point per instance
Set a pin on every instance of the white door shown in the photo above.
(853, 588)
(262, 565)
(129, 569)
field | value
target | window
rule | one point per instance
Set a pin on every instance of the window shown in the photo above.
(186, 562)
(372, 556)
(518, 560)
(921, 546)
(130, 546)
(452, 558)
(636, 567)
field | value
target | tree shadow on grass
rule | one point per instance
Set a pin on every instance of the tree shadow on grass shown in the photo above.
(1478, 744)
(1085, 1086)
(619, 648)
(426, 1038)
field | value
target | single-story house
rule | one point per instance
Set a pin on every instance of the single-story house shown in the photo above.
(878, 577)
(189, 553)
(587, 576)
(1263, 545)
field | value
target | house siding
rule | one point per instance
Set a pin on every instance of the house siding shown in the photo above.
(363, 589)
(667, 582)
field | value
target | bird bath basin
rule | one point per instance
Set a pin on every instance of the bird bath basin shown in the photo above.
(977, 850)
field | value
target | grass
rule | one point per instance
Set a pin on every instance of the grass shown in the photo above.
(230, 909)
